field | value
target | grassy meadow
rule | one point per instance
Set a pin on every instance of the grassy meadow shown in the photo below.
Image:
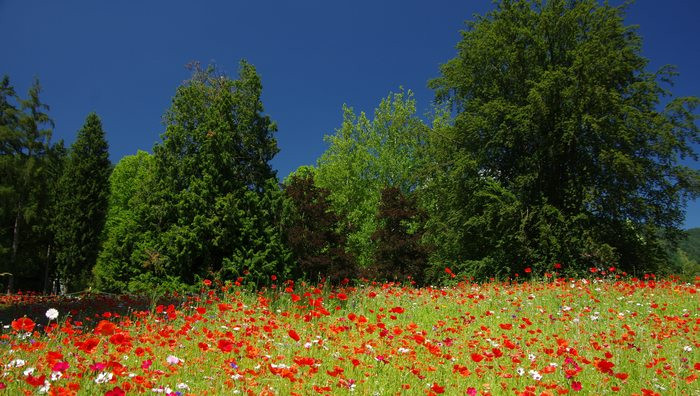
(546, 336)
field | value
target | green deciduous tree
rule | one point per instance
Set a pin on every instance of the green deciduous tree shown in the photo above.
(558, 123)
(363, 157)
(82, 204)
(128, 239)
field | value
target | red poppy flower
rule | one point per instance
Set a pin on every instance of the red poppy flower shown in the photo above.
(225, 345)
(605, 366)
(292, 333)
(23, 324)
(89, 345)
(35, 381)
(116, 391)
(105, 328)
(437, 388)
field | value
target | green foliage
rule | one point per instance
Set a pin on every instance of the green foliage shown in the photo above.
(691, 244)
(400, 254)
(156, 286)
(311, 231)
(29, 165)
(207, 203)
(213, 178)
(558, 149)
(685, 259)
(363, 157)
(249, 231)
(83, 194)
(127, 240)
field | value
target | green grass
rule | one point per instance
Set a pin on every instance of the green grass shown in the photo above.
(627, 337)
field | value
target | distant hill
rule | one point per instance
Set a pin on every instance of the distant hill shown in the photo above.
(691, 246)
(685, 261)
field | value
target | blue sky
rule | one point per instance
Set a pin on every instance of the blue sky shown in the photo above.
(124, 59)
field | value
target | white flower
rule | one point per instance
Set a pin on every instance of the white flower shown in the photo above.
(520, 371)
(688, 348)
(404, 350)
(52, 313)
(532, 357)
(103, 377)
(45, 388)
(183, 385)
(56, 375)
(307, 345)
(16, 363)
(29, 371)
(535, 375)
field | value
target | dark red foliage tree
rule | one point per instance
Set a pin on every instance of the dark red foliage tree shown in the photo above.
(399, 253)
(311, 233)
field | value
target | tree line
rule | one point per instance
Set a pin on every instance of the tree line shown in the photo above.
(548, 144)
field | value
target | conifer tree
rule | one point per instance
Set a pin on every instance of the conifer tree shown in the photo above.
(82, 205)
(25, 183)
(215, 194)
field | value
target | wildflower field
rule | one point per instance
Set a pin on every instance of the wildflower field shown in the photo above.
(540, 337)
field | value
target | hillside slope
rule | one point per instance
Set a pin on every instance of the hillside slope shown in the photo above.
(685, 261)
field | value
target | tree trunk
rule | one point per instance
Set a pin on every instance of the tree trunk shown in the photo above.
(46, 269)
(15, 245)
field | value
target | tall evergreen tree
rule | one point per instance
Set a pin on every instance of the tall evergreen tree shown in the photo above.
(82, 205)
(558, 117)
(215, 190)
(25, 166)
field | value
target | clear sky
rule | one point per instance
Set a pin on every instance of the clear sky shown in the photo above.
(124, 59)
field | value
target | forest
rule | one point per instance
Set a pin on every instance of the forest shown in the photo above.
(550, 145)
